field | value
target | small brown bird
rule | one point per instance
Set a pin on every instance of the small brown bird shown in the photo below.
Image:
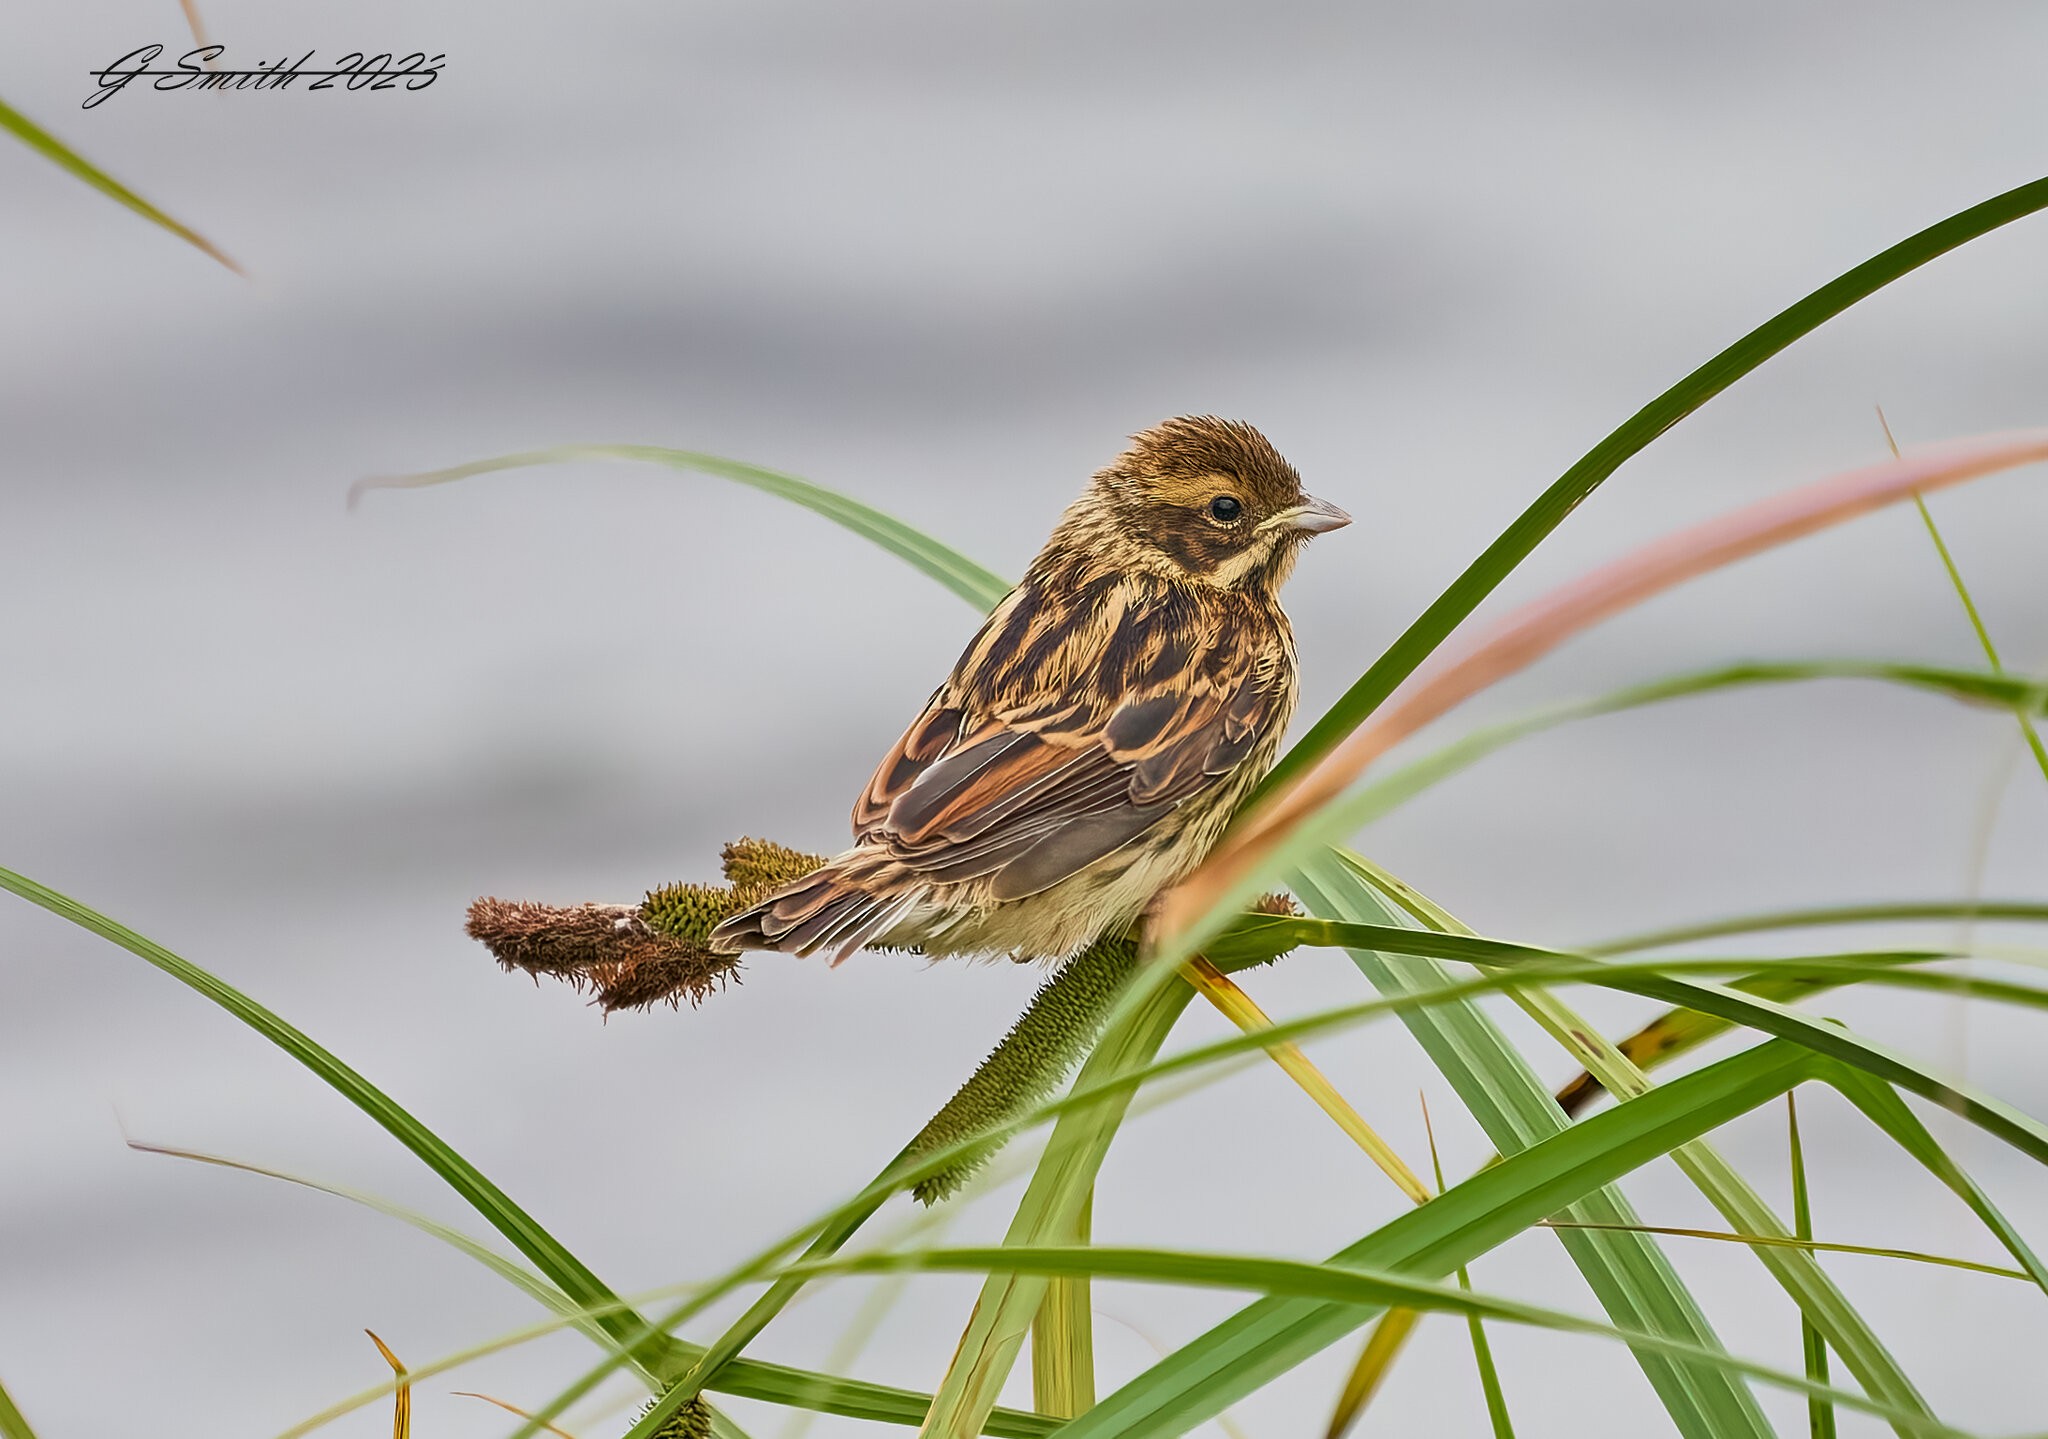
(1092, 743)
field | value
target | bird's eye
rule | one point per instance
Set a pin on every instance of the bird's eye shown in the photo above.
(1225, 509)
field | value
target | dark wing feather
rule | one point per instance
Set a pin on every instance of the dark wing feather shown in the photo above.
(1126, 710)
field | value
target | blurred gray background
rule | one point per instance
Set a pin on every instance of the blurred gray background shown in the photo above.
(943, 257)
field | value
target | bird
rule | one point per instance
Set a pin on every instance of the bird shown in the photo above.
(1097, 734)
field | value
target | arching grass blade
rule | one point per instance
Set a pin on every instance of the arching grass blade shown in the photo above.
(974, 583)
(1226, 877)
(1822, 916)
(1348, 1284)
(1632, 1279)
(492, 1203)
(1548, 510)
(1883, 1107)
(58, 153)
(1271, 1336)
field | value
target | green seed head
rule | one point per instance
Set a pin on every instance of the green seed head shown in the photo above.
(688, 911)
(692, 1421)
(1064, 1019)
(762, 864)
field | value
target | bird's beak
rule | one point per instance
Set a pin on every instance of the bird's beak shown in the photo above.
(1313, 517)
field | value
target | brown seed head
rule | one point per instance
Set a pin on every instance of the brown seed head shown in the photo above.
(609, 947)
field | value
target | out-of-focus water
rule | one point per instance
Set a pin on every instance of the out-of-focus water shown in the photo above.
(944, 258)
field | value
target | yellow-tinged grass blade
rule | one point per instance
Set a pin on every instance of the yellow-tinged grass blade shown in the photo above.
(510, 1409)
(1386, 1340)
(401, 1397)
(1808, 1243)
(1382, 1347)
(58, 153)
(511, 1339)
(1387, 1336)
(1241, 1010)
(1190, 912)
(1063, 1339)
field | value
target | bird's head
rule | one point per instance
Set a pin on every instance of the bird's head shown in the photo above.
(1208, 501)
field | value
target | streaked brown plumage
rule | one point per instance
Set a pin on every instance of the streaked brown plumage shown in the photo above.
(1099, 731)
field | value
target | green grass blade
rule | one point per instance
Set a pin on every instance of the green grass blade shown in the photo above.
(12, 1424)
(2027, 730)
(1996, 1117)
(1549, 510)
(1885, 1109)
(58, 153)
(1820, 1414)
(1489, 1377)
(1342, 816)
(1086, 1123)
(1955, 579)
(1347, 1284)
(715, 1360)
(1868, 1251)
(743, 1378)
(718, 1367)
(1050, 1209)
(1237, 1047)
(1311, 833)
(1677, 1031)
(1969, 603)
(978, 585)
(1992, 1115)
(776, 1384)
(1820, 1303)
(513, 1273)
(1272, 1336)
(1475, 1327)
(489, 1201)
(1973, 910)
(1632, 1280)
(875, 1307)
(1063, 1341)
(836, 1230)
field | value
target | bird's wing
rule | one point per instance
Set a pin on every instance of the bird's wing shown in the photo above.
(1055, 744)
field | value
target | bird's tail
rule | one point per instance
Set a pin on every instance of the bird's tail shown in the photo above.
(836, 908)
